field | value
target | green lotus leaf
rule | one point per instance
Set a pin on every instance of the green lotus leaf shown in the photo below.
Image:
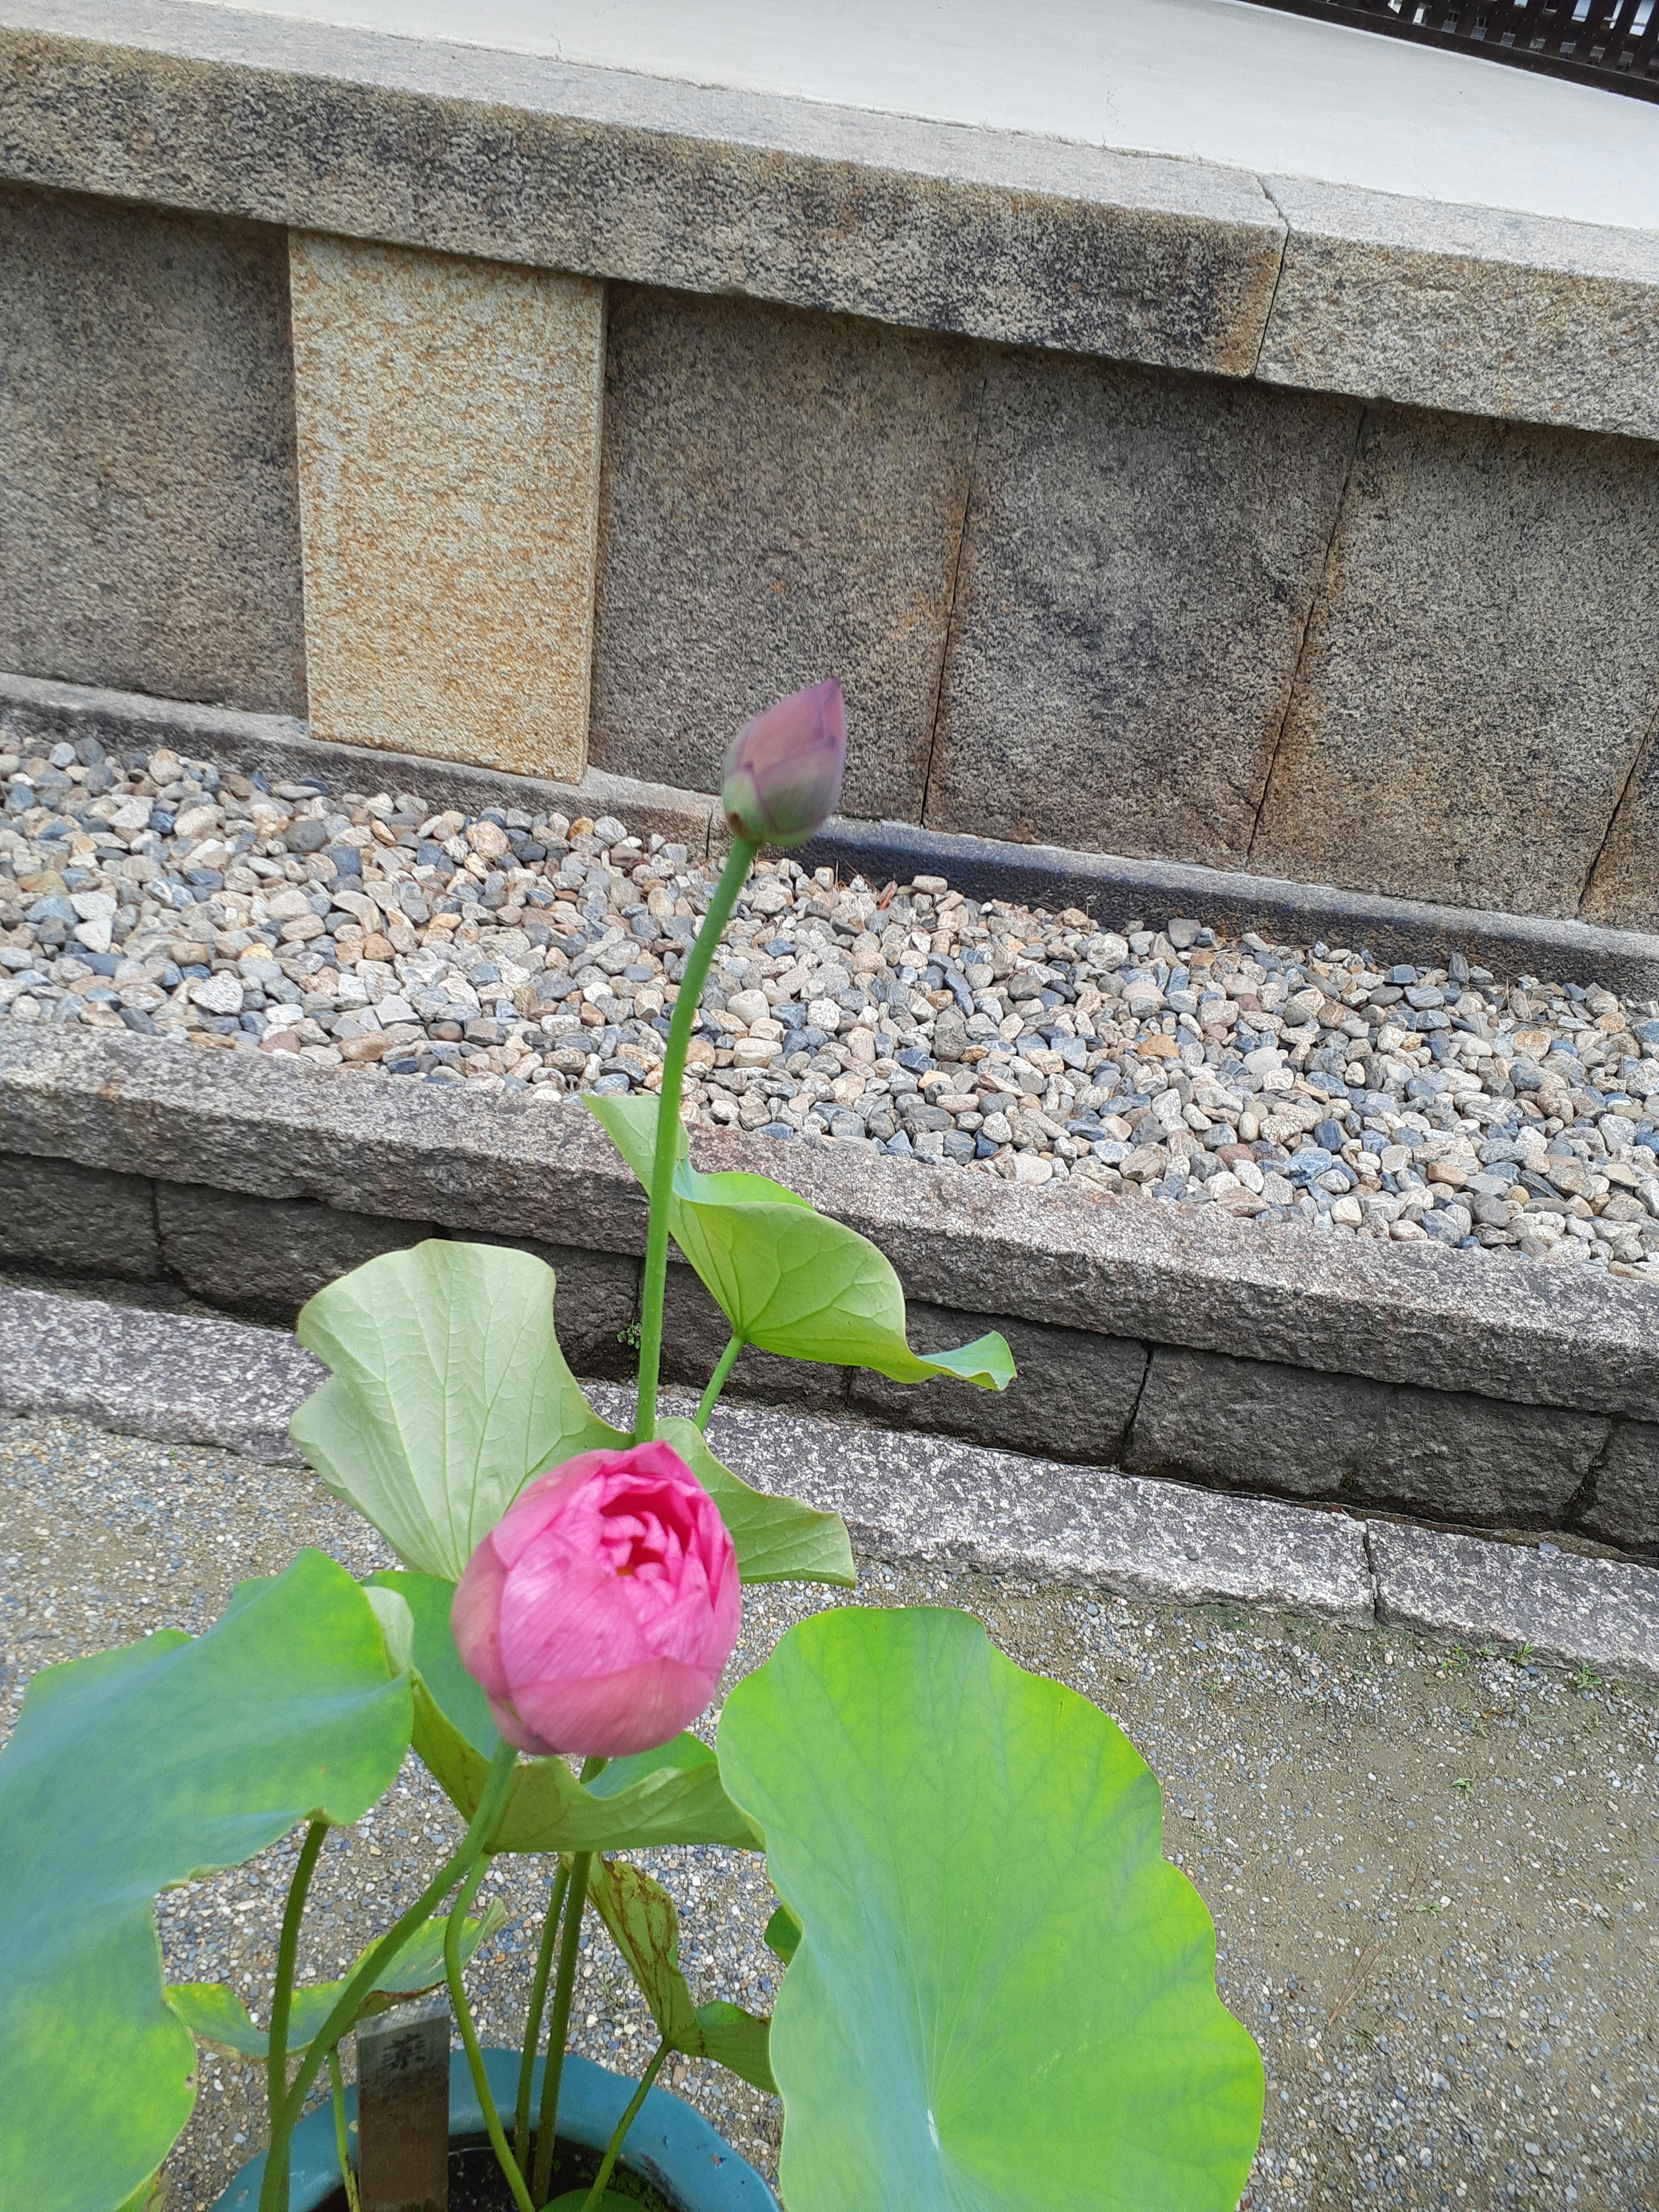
(670, 1796)
(215, 2014)
(781, 1933)
(128, 1773)
(644, 1925)
(787, 1278)
(447, 1392)
(1004, 1997)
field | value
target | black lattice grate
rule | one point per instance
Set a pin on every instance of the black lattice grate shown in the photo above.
(1611, 43)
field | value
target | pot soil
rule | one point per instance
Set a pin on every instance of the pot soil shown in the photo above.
(476, 2183)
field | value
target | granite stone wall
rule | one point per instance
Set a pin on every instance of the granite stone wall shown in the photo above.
(149, 516)
(1174, 613)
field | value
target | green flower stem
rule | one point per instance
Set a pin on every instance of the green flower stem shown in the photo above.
(532, 2026)
(717, 1382)
(459, 1863)
(342, 2148)
(283, 1998)
(463, 2021)
(738, 862)
(563, 1989)
(613, 2149)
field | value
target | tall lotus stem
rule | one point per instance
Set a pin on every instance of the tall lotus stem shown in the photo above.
(738, 862)
(781, 783)
(273, 2192)
(564, 1991)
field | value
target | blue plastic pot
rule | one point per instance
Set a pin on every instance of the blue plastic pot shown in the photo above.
(669, 2144)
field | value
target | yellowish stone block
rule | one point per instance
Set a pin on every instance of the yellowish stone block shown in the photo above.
(448, 416)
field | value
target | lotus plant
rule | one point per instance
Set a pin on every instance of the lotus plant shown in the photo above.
(998, 1992)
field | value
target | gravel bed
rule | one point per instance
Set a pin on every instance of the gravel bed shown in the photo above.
(514, 952)
(1432, 1870)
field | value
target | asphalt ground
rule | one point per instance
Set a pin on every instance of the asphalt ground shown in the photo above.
(1434, 1873)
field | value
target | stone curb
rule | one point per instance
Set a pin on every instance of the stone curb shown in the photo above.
(281, 751)
(1006, 236)
(1110, 888)
(921, 1498)
(916, 1500)
(275, 1127)
(171, 1375)
(1562, 1604)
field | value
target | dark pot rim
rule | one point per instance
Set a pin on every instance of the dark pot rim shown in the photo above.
(669, 2145)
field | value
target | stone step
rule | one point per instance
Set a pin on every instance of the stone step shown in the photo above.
(911, 1500)
(1247, 1357)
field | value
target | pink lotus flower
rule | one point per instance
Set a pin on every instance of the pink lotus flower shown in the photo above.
(783, 772)
(598, 1613)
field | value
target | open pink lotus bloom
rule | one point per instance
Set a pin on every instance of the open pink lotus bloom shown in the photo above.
(783, 772)
(598, 1613)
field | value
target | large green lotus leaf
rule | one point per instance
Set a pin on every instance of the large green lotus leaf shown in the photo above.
(128, 1773)
(447, 1392)
(1003, 1996)
(645, 1927)
(670, 1796)
(215, 2014)
(787, 1278)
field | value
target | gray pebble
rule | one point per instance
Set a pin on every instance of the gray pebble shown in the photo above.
(1172, 1065)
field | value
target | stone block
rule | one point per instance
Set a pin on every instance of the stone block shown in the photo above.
(1624, 886)
(1478, 309)
(781, 499)
(1072, 1398)
(77, 1220)
(448, 416)
(1472, 692)
(1624, 1503)
(1255, 1424)
(266, 1256)
(926, 1498)
(695, 1334)
(1140, 555)
(1008, 235)
(149, 533)
(1563, 1608)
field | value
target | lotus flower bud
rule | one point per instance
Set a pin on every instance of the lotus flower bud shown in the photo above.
(783, 772)
(598, 1612)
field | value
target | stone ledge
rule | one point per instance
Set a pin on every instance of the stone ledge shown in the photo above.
(512, 1167)
(1483, 311)
(185, 1379)
(999, 235)
(1104, 885)
(913, 1500)
(1564, 1607)
(1227, 1424)
(601, 173)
